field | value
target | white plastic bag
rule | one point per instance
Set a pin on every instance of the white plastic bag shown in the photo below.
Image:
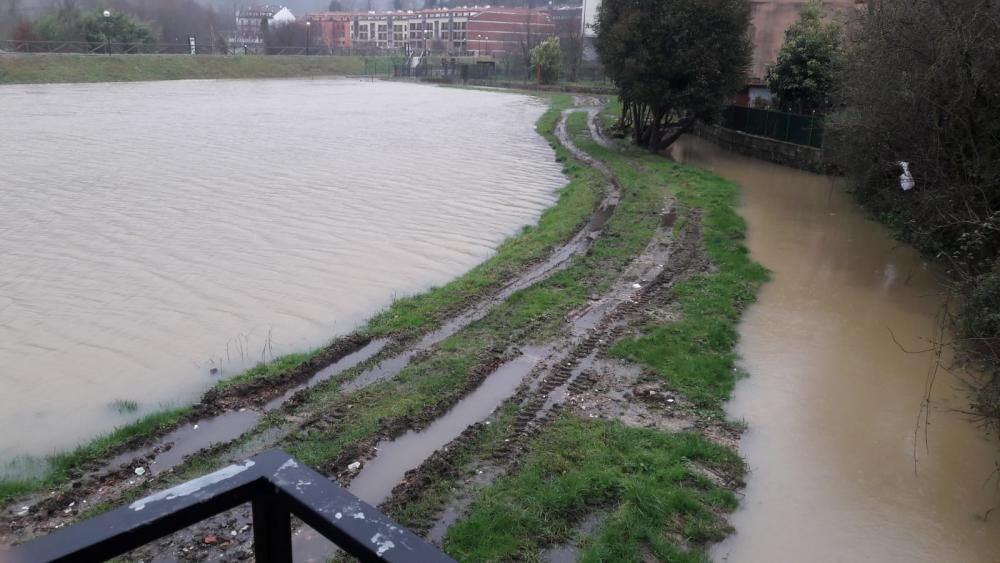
(906, 179)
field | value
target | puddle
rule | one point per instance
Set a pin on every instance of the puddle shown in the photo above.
(382, 473)
(378, 477)
(347, 362)
(386, 369)
(570, 551)
(190, 438)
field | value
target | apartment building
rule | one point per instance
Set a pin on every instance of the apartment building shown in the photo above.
(483, 30)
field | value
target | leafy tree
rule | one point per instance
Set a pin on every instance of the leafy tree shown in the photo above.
(546, 60)
(804, 74)
(63, 24)
(119, 28)
(673, 61)
(335, 6)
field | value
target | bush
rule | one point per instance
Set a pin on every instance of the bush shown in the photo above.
(980, 314)
(546, 61)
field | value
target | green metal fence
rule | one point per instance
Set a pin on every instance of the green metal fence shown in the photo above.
(789, 127)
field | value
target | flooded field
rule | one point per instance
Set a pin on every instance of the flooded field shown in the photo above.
(840, 469)
(157, 236)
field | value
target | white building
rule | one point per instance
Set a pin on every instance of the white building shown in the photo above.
(249, 22)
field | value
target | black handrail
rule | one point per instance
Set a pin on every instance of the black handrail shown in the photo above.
(275, 484)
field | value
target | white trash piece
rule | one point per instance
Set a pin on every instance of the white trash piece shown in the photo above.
(354, 466)
(906, 179)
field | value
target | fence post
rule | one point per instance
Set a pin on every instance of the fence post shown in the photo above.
(272, 529)
(788, 126)
(812, 125)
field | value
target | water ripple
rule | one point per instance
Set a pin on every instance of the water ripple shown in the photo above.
(148, 228)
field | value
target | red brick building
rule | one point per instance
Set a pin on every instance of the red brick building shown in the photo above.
(486, 31)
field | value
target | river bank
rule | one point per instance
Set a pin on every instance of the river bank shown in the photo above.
(58, 68)
(605, 333)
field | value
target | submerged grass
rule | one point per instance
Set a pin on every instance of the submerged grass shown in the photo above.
(576, 467)
(61, 467)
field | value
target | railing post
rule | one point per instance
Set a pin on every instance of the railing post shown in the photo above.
(272, 529)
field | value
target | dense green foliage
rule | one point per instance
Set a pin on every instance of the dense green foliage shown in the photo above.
(70, 24)
(921, 84)
(673, 61)
(546, 61)
(803, 77)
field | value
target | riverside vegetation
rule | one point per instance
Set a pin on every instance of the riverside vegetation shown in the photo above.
(611, 444)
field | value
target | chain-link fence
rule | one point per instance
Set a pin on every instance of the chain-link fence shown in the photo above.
(789, 127)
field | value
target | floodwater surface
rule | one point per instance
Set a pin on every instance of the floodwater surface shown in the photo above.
(157, 236)
(839, 470)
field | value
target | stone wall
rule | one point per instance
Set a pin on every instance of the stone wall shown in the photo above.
(771, 150)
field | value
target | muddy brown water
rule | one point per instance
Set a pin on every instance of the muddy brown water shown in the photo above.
(150, 232)
(832, 402)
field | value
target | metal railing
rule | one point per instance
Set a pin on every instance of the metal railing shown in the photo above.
(788, 127)
(277, 487)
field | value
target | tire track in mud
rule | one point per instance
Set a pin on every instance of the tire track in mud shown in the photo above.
(626, 392)
(224, 416)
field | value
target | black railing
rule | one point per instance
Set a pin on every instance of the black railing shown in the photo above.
(277, 487)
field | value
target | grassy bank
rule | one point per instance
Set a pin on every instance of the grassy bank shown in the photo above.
(51, 68)
(62, 467)
(649, 489)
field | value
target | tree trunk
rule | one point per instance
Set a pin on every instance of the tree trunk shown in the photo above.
(637, 123)
(655, 131)
(683, 127)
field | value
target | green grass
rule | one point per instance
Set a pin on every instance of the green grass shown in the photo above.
(37, 69)
(696, 354)
(641, 478)
(265, 370)
(61, 466)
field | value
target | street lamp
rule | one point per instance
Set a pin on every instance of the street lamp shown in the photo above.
(308, 25)
(487, 38)
(427, 35)
(107, 32)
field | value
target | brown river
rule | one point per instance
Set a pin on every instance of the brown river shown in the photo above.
(157, 236)
(837, 472)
